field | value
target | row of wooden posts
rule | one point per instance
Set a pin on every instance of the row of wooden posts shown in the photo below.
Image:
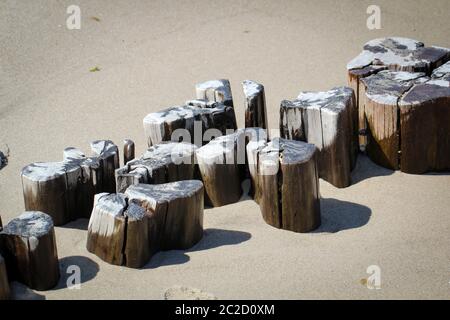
(397, 109)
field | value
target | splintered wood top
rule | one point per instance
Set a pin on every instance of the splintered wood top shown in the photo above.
(289, 151)
(29, 224)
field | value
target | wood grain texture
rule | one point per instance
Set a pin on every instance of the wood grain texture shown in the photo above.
(65, 190)
(326, 119)
(255, 104)
(29, 249)
(289, 183)
(161, 163)
(215, 91)
(128, 150)
(127, 229)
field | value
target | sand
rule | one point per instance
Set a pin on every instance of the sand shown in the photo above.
(150, 54)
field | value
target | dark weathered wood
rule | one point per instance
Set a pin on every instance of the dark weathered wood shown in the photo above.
(127, 229)
(4, 283)
(128, 150)
(396, 54)
(29, 248)
(255, 138)
(215, 90)
(65, 190)
(382, 92)
(161, 163)
(222, 166)
(255, 105)
(425, 125)
(326, 119)
(188, 122)
(289, 185)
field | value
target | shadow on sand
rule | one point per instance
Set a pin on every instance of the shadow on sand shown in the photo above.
(366, 168)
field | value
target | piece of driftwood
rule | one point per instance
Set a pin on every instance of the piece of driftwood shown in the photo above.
(188, 123)
(128, 150)
(288, 178)
(255, 138)
(161, 163)
(4, 283)
(29, 249)
(127, 229)
(221, 163)
(255, 105)
(395, 54)
(65, 190)
(327, 120)
(215, 90)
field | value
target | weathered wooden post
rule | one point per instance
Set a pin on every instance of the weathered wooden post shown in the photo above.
(4, 283)
(255, 105)
(326, 119)
(395, 54)
(161, 163)
(255, 138)
(127, 229)
(128, 150)
(29, 248)
(288, 178)
(215, 90)
(222, 163)
(191, 119)
(65, 190)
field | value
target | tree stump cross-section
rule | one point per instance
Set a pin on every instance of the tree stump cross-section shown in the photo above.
(65, 190)
(192, 118)
(29, 249)
(395, 54)
(127, 229)
(161, 163)
(288, 178)
(327, 120)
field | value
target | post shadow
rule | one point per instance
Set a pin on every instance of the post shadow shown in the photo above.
(366, 168)
(88, 268)
(338, 215)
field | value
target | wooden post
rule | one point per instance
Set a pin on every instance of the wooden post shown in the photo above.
(221, 163)
(215, 90)
(255, 105)
(128, 150)
(327, 120)
(396, 54)
(65, 190)
(382, 92)
(195, 117)
(255, 138)
(288, 178)
(161, 163)
(30, 250)
(4, 283)
(127, 229)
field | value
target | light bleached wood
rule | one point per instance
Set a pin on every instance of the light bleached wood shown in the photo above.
(396, 54)
(327, 120)
(255, 138)
(194, 118)
(4, 283)
(29, 248)
(289, 185)
(255, 105)
(161, 163)
(128, 150)
(65, 190)
(222, 167)
(215, 90)
(127, 229)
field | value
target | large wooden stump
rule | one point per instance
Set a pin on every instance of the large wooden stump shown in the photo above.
(408, 120)
(288, 178)
(255, 138)
(188, 122)
(29, 248)
(127, 229)
(4, 283)
(161, 163)
(222, 166)
(215, 90)
(326, 119)
(65, 190)
(395, 54)
(255, 105)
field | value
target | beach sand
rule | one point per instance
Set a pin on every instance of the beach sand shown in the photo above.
(150, 54)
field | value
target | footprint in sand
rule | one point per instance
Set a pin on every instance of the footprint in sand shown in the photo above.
(186, 293)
